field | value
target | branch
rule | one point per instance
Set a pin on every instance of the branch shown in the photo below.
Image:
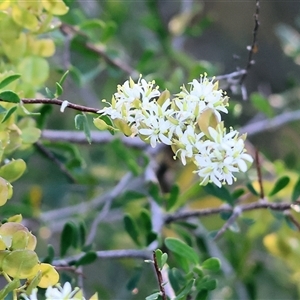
(108, 254)
(118, 190)
(264, 125)
(71, 30)
(259, 176)
(52, 157)
(136, 183)
(98, 137)
(211, 211)
(60, 102)
(253, 47)
(159, 278)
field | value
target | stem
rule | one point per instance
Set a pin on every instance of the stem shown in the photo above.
(159, 277)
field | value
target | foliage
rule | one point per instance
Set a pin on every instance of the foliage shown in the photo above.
(118, 197)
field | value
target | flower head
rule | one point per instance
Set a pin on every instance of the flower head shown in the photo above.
(221, 156)
(205, 94)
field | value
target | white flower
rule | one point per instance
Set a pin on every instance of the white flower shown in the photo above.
(142, 90)
(189, 142)
(207, 94)
(222, 156)
(156, 130)
(61, 293)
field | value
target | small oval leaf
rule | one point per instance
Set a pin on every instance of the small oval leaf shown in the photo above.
(8, 80)
(13, 170)
(280, 184)
(212, 264)
(182, 249)
(9, 96)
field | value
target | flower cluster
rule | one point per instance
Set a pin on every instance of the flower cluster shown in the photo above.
(190, 123)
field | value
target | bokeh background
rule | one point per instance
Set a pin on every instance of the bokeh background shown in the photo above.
(172, 42)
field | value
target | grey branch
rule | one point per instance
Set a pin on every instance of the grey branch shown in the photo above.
(108, 254)
(267, 124)
(211, 211)
(98, 137)
(119, 188)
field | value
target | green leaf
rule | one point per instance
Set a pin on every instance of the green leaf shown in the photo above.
(182, 249)
(8, 80)
(202, 295)
(30, 135)
(207, 284)
(133, 281)
(20, 263)
(176, 278)
(173, 197)
(238, 193)
(81, 123)
(49, 93)
(63, 78)
(150, 237)
(158, 254)
(154, 191)
(9, 113)
(59, 90)
(146, 220)
(9, 96)
(49, 258)
(280, 184)
(12, 285)
(131, 228)
(252, 189)
(13, 170)
(153, 296)
(212, 264)
(69, 233)
(87, 258)
(34, 70)
(82, 233)
(262, 104)
(186, 290)
(221, 193)
(296, 191)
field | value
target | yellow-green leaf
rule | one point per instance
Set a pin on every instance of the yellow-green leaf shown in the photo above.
(3, 191)
(20, 263)
(56, 7)
(24, 18)
(30, 135)
(13, 170)
(43, 47)
(49, 275)
(9, 30)
(34, 70)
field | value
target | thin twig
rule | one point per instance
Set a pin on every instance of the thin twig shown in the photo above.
(53, 158)
(119, 188)
(60, 102)
(259, 176)
(108, 254)
(212, 211)
(71, 30)
(292, 219)
(253, 47)
(69, 269)
(136, 183)
(159, 278)
(235, 214)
